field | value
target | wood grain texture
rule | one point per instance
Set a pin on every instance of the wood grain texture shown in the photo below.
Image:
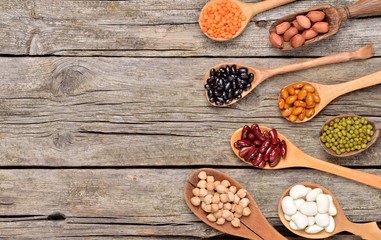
(166, 28)
(144, 202)
(149, 111)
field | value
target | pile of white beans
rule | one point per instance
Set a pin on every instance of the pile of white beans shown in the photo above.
(221, 200)
(309, 209)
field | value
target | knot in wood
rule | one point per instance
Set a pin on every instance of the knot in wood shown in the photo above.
(69, 80)
(62, 139)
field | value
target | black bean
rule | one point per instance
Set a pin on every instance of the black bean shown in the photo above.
(227, 101)
(212, 99)
(234, 70)
(247, 86)
(212, 72)
(234, 85)
(242, 70)
(207, 87)
(210, 93)
(237, 92)
(220, 83)
(251, 77)
(229, 94)
(244, 76)
(228, 85)
(227, 70)
(217, 93)
(231, 78)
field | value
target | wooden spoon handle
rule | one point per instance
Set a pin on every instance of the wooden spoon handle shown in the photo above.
(363, 8)
(365, 230)
(259, 7)
(333, 91)
(355, 175)
(361, 53)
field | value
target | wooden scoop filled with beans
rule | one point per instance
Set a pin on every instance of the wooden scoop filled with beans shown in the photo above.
(314, 24)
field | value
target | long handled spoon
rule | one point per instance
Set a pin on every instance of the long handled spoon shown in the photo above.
(376, 128)
(334, 17)
(297, 158)
(261, 74)
(364, 230)
(328, 93)
(254, 226)
(248, 9)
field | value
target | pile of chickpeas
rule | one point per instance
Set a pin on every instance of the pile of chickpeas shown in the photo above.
(222, 201)
(298, 101)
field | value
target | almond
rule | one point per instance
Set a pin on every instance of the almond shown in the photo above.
(309, 33)
(303, 21)
(297, 26)
(292, 31)
(281, 28)
(297, 41)
(320, 27)
(316, 16)
(276, 40)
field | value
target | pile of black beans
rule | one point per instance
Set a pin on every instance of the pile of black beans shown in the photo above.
(227, 83)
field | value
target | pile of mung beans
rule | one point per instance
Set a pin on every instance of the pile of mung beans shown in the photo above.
(346, 134)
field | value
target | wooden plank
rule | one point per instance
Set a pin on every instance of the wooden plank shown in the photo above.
(140, 28)
(120, 112)
(144, 202)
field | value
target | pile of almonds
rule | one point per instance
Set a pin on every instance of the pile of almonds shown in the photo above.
(303, 28)
(222, 201)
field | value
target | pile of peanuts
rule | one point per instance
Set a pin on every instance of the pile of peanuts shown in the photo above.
(298, 101)
(303, 28)
(222, 201)
(309, 209)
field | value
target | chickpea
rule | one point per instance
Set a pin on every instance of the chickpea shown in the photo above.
(236, 199)
(246, 211)
(208, 208)
(196, 192)
(201, 184)
(220, 205)
(227, 206)
(226, 214)
(226, 183)
(211, 217)
(236, 222)
(224, 198)
(214, 207)
(233, 189)
(216, 198)
(230, 197)
(203, 192)
(244, 202)
(202, 175)
(220, 221)
(195, 201)
(239, 209)
(233, 207)
(237, 215)
(209, 186)
(218, 214)
(241, 193)
(220, 188)
(216, 183)
(210, 179)
(208, 199)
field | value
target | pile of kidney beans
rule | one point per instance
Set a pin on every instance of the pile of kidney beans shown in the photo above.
(259, 147)
(227, 83)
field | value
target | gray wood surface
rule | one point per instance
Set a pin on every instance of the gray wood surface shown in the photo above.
(103, 116)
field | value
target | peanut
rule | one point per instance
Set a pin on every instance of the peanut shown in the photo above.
(303, 21)
(316, 16)
(283, 27)
(297, 41)
(309, 34)
(276, 40)
(320, 27)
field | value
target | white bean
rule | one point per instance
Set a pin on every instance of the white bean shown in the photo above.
(332, 211)
(298, 203)
(311, 221)
(313, 229)
(287, 217)
(300, 220)
(322, 219)
(322, 202)
(288, 206)
(309, 209)
(298, 191)
(311, 196)
(308, 190)
(331, 226)
(293, 226)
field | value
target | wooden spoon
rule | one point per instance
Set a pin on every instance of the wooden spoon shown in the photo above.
(376, 129)
(261, 74)
(334, 17)
(328, 93)
(296, 158)
(364, 230)
(249, 10)
(255, 226)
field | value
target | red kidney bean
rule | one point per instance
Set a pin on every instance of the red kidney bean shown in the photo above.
(262, 164)
(267, 153)
(254, 126)
(258, 134)
(252, 154)
(266, 134)
(265, 145)
(251, 137)
(273, 164)
(244, 151)
(274, 136)
(257, 159)
(245, 132)
(274, 155)
(242, 143)
(257, 143)
(283, 148)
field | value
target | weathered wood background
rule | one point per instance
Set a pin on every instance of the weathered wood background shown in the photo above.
(103, 116)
